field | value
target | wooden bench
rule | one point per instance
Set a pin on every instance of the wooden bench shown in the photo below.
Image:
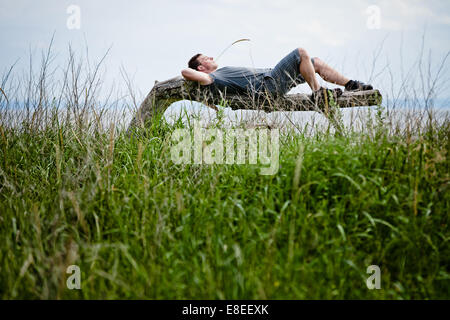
(164, 93)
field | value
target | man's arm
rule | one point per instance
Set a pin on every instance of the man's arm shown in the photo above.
(194, 75)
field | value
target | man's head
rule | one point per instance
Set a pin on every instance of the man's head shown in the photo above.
(202, 63)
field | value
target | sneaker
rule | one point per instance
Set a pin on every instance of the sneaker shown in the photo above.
(355, 85)
(319, 95)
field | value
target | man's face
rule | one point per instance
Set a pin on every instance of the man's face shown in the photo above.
(207, 64)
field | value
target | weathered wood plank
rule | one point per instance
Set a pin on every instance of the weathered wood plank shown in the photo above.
(166, 92)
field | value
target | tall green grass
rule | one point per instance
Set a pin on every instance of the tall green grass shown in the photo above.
(141, 227)
(74, 191)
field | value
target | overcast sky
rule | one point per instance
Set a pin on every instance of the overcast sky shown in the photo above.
(153, 40)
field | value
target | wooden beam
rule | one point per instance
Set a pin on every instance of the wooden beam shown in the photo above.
(163, 94)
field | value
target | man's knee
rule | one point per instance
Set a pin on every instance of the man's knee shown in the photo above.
(316, 62)
(303, 53)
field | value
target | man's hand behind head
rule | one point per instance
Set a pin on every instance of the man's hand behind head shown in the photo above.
(194, 75)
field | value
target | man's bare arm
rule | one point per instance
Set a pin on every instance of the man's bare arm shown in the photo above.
(194, 75)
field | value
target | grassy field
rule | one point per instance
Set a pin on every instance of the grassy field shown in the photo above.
(139, 226)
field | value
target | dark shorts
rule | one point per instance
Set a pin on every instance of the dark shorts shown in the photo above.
(285, 75)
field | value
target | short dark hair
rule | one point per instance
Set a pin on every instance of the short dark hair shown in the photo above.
(194, 63)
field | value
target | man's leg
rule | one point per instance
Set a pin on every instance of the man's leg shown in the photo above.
(329, 74)
(307, 70)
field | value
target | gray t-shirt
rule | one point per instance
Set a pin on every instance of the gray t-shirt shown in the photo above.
(238, 79)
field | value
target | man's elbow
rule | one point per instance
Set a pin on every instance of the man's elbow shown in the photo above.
(185, 73)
